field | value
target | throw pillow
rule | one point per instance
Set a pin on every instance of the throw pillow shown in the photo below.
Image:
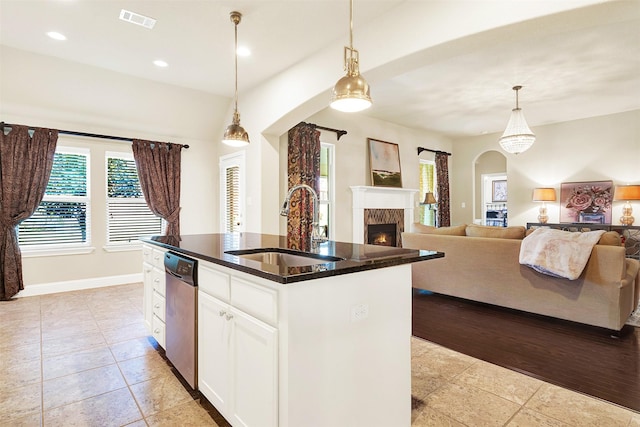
(610, 238)
(513, 232)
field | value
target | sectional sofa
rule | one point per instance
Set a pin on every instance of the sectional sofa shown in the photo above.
(481, 264)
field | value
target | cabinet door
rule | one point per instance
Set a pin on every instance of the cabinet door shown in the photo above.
(255, 372)
(147, 304)
(214, 333)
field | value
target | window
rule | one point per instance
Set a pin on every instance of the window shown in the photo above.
(63, 217)
(427, 184)
(326, 189)
(231, 192)
(128, 216)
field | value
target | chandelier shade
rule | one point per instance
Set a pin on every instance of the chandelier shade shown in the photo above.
(517, 137)
(235, 135)
(351, 93)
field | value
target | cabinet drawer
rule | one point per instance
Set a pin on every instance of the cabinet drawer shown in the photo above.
(159, 306)
(159, 281)
(258, 301)
(157, 330)
(147, 254)
(213, 282)
(158, 258)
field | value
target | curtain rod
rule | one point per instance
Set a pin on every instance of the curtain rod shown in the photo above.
(421, 149)
(93, 135)
(338, 131)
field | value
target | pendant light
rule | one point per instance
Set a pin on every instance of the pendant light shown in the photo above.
(351, 93)
(235, 135)
(517, 138)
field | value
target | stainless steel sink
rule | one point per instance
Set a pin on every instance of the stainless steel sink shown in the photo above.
(283, 257)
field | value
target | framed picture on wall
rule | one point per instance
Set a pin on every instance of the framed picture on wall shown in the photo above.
(499, 193)
(384, 163)
(586, 202)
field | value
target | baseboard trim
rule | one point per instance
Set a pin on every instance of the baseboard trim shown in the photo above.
(77, 285)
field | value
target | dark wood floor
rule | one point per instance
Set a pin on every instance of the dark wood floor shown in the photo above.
(578, 357)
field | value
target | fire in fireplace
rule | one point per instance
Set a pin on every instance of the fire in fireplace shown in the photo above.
(381, 234)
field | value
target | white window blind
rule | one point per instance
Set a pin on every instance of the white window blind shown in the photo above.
(128, 216)
(63, 217)
(232, 199)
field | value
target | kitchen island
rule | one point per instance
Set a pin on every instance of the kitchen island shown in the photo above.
(283, 341)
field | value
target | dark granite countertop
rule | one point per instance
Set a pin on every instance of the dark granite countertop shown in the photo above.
(354, 257)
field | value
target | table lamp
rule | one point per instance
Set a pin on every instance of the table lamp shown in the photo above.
(544, 195)
(627, 193)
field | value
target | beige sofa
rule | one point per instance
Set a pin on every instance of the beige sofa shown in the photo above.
(486, 269)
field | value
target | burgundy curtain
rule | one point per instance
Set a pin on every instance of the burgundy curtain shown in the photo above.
(442, 174)
(303, 168)
(25, 167)
(158, 165)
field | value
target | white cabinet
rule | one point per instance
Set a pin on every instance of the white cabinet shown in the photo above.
(237, 353)
(254, 372)
(154, 291)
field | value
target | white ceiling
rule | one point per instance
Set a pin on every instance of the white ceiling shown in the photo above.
(570, 68)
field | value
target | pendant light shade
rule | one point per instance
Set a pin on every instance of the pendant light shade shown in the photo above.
(235, 135)
(351, 93)
(517, 137)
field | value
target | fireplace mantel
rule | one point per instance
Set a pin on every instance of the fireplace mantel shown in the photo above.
(366, 197)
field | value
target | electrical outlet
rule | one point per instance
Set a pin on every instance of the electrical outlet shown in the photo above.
(359, 312)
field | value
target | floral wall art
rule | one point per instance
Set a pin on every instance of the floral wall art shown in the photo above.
(586, 202)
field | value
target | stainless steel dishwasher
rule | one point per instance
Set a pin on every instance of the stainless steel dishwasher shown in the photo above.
(181, 315)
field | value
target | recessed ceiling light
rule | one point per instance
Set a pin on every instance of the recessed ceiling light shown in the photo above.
(243, 51)
(136, 18)
(56, 35)
(160, 63)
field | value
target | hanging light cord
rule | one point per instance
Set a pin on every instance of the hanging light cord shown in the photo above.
(351, 24)
(517, 88)
(235, 55)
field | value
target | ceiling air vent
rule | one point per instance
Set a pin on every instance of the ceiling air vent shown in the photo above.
(136, 18)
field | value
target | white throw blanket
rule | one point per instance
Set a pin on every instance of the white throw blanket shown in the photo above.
(558, 253)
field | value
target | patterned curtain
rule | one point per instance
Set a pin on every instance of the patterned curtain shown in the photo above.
(303, 168)
(25, 167)
(442, 177)
(158, 165)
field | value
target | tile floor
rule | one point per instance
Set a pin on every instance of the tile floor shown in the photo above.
(84, 359)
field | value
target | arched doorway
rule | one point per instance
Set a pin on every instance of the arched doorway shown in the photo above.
(490, 190)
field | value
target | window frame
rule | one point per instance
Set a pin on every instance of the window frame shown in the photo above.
(330, 201)
(53, 249)
(118, 246)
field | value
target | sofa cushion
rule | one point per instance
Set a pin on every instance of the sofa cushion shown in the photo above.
(513, 232)
(456, 230)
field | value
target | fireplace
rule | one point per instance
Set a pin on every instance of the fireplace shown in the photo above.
(386, 225)
(381, 234)
(382, 205)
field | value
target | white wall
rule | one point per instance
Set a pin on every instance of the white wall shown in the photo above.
(352, 158)
(42, 91)
(595, 149)
(294, 95)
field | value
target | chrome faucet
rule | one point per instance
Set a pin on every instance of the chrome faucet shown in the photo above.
(316, 237)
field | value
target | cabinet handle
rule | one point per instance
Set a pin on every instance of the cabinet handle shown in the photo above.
(229, 316)
(156, 331)
(157, 306)
(156, 280)
(222, 313)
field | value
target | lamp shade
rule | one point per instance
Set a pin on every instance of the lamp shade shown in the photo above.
(544, 194)
(627, 192)
(351, 94)
(429, 199)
